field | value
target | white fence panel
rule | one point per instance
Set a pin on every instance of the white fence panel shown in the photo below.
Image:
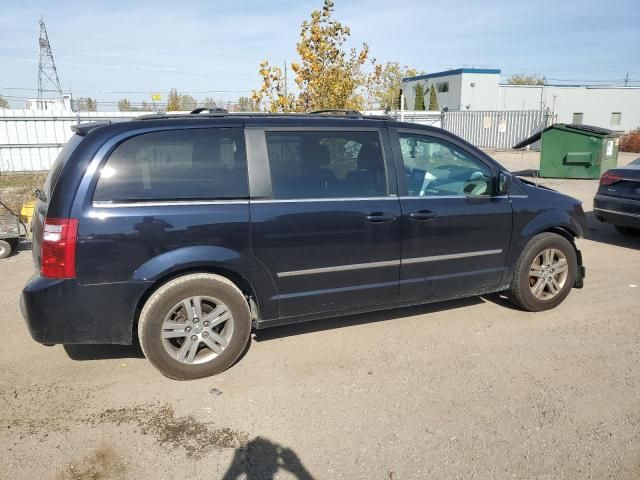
(30, 140)
(496, 128)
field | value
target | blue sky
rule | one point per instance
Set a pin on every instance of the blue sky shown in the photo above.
(104, 48)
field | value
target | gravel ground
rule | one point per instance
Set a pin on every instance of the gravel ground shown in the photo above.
(465, 389)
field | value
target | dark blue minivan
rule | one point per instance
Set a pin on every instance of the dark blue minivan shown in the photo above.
(188, 230)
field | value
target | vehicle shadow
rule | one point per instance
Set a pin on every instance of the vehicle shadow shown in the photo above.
(102, 351)
(24, 245)
(501, 299)
(605, 233)
(262, 459)
(361, 318)
(86, 352)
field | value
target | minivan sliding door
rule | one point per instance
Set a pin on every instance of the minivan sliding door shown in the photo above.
(328, 230)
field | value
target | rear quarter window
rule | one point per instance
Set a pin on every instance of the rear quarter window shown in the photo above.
(59, 163)
(187, 164)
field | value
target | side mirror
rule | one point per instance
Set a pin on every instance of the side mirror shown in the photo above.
(504, 182)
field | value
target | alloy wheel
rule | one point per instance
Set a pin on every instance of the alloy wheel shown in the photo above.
(548, 274)
(197, 329)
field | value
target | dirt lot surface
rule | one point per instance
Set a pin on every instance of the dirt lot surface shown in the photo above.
(465, 389)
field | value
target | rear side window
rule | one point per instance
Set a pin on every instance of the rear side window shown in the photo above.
(58, 165)
(189, 164)
(326, 164)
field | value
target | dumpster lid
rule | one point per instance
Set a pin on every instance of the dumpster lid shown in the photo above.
(588, 128)
(572, 126)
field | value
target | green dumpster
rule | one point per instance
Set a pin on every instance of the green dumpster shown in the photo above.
(576, 151)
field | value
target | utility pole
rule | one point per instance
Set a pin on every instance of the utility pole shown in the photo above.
(48, 80)
(626, 79)
(286, 91)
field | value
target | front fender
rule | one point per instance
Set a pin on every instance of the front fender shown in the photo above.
(547, 220)
(530, 222)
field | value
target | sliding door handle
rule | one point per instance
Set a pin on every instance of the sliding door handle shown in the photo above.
(380, 217)
(422, 215)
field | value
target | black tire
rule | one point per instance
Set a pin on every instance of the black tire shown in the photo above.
(166, 297)
(520, 291)
(627, 230)
(14, 242)
(5, 249)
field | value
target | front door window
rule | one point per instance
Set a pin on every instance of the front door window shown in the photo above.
(435, 168)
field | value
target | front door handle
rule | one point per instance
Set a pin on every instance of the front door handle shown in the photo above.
(422, 215)
(380, 217)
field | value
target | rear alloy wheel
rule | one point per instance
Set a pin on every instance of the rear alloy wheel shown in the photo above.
(544, 273)
(194, 326)
(197, 330)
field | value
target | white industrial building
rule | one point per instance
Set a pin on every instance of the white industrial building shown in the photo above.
(613, 107)
(63, 103)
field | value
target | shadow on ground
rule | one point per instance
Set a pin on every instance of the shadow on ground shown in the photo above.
(103, 352)
(262, 459)
(107, 351)
(362, 318)
(24, 245)
(605, 233)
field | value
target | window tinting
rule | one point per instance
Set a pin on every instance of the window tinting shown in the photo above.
(436, 168)
(189, 164)
(326, 164)
(58, 165)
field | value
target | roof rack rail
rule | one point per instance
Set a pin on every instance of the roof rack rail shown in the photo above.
(211, 111)
(344, 111)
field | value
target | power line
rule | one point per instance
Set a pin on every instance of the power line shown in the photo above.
(133, 91)
(102, 102)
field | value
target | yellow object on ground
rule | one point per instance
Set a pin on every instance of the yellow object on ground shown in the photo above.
(27, 212)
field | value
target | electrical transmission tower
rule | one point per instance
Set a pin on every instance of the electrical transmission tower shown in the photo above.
(48, 80)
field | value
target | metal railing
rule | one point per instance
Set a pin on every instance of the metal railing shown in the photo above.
(30, 140)
(496, 128)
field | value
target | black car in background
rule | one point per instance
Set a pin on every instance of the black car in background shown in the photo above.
(618, 199)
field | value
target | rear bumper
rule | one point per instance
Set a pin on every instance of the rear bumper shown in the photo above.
(63, 311)
(617, 211)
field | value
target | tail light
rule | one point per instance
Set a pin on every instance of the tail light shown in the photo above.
(609, 178)
(59, 247)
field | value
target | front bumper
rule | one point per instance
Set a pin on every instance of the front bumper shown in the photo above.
(63, 311)
(617, 211)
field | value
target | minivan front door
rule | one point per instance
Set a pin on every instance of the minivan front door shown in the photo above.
(329, 232)
(456, 229)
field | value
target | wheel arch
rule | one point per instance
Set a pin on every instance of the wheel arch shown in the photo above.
(243, 284)
(563, 231)
(549, 221)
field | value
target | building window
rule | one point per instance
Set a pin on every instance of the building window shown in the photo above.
(616, 118)
(577, 118)
(442, 87)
